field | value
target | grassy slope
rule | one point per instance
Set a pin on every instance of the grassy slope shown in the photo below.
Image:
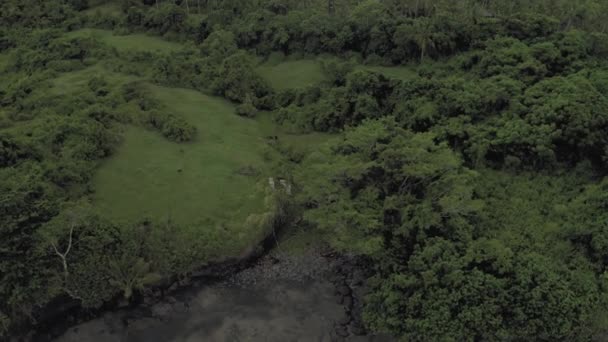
(291, 74)
(142, 179)
(132, 42)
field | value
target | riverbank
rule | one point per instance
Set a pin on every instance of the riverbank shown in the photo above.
(313, 295)
(282, 297)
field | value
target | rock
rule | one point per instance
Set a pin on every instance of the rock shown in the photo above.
(348, 302)
(344, 290)
(171, 299)
(162, 310)
(149, 300)
(344, 320)
(123, 303)
(347, 268)
(180, 307)
(361, 292)
(173, 287)
(336, 278)
(334, 337)
(113, 321)
(141, 324)
(357, 329)
(185, 282)
(339, 299)
(341, 331)
(358, 277)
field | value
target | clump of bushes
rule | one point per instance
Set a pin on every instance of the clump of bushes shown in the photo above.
(237, 79)
(11, 151)
(247, 108)
(172, 127)
(99, 86)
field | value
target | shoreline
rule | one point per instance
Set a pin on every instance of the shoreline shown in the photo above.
(263, 265)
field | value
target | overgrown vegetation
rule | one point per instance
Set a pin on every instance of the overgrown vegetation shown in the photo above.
(466, 161)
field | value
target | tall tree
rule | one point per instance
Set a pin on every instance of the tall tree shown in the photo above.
(422, 31)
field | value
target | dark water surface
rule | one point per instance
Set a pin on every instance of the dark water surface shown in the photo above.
(283, 311)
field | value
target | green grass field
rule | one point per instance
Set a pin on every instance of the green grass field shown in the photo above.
(302, 142)
(143, 178)
(397, 72)
(200, 183)
(71, 82)
(132, 42)
(292, 74)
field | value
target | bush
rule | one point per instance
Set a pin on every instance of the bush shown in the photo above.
(164, 18)
(12, 152)
(99, 86)
(237, 79)
(79, 5)
(172, 127)
(337, 70)
(247, 108)
(219, 45)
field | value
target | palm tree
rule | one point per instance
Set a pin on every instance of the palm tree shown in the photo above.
(423, 36)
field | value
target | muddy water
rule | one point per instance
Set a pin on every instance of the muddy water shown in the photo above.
(280, 310)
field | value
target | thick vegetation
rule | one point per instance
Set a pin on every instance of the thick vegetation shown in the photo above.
(466, 161)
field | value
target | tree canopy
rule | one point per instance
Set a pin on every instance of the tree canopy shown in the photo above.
(464, 155)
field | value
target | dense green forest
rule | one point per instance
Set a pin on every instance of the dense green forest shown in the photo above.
(459, 146)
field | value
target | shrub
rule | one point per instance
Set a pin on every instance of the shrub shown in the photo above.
(172, 127)
(99, 86)
(237, 79)
(247, 108)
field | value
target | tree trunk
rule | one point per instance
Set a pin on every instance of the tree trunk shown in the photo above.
(331, 7)
(64, 256)
(422, 52)
(187, 7)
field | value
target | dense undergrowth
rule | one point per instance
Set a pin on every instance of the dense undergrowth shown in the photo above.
(473, 181)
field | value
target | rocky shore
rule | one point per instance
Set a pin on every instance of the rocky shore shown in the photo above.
(346, 273)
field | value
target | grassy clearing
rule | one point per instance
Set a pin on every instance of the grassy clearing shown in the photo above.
(292, 74)
(143, 179)
(104, 9)
(131, 42)
(197, 184)
(303, 142)
(71, 82)
(397, 72)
